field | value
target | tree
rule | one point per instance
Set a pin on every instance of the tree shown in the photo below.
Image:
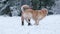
(35, 3)
(5, 9)
(38, 4)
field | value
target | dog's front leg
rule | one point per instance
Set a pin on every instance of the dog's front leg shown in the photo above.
(36, 22)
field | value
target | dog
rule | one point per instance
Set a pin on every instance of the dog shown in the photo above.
(36, 15)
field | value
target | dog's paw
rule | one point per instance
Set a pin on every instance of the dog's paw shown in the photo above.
(29, 24)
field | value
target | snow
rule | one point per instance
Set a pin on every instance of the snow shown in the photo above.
(4, 7)
(12, 25)
(56, 8)
(14, 11)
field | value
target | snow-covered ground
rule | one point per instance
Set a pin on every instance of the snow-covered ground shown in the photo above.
(12, 25)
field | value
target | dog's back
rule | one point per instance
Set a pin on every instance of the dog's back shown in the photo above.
(35, 14)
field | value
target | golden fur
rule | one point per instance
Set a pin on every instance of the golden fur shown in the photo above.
(36, 15)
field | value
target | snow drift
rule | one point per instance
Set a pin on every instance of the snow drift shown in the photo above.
(12, 25)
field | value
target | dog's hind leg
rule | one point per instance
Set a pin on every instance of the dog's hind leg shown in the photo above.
(22, 19)
(28, 21)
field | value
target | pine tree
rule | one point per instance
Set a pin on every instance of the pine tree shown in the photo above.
(38, 4)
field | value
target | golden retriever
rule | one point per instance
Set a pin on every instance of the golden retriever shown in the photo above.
(36, 15)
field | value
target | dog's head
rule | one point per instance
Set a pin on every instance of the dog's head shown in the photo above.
(24, 7)
(45, 10)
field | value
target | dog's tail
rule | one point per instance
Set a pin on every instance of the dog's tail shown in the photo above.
(24, 7)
